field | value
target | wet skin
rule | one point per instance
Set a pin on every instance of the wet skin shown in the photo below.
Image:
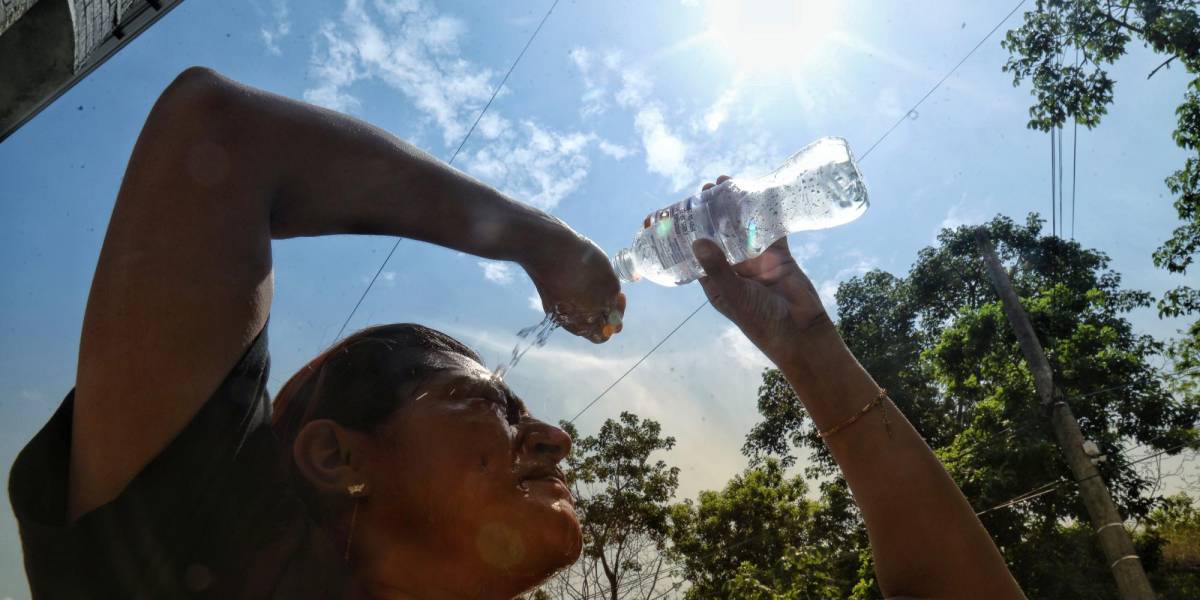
(465, 490)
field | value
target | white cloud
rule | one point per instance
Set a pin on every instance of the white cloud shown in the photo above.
(582, 57)
(496, 272)
(962, 213)
(535, 303)
(536, 164)
(594, 101)
(492, 126)
(278, 29)
(412, 49)
(738, 347)
(666, 153)
(805, 251)
(826, 288)
(634, 85)
(616, 151)
(681, 149)
(334, 69)
(719, 111)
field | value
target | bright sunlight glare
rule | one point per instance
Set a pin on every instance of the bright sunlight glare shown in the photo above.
(771, 35)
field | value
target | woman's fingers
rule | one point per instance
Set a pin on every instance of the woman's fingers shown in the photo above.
(721, 284)
(595, 325)
(719, 181)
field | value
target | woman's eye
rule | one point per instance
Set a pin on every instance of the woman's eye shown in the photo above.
(511, 412)
(505, 407)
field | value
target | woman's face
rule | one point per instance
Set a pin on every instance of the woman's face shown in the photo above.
(466, 491)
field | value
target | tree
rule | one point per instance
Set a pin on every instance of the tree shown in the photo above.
(1174, 530)
(761, 538)
(622, 498)
(938, 340)
(1063, 49)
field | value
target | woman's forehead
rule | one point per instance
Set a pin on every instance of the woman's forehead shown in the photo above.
(447, 366)
(463, 371)
(463, 377)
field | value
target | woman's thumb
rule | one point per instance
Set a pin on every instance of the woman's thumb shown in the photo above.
(721, 284)
(712, 258)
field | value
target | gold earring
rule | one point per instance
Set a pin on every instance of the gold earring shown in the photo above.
(357, 491)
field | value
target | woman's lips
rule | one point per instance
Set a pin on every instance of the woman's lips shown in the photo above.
(549, 482)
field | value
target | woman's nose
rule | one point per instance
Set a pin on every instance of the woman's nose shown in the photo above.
(546, 441)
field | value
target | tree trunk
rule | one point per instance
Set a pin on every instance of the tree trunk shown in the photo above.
(1126, 567)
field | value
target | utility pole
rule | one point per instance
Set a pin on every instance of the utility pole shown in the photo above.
(1126, 567)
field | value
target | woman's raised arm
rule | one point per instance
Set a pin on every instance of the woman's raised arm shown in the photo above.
(925, 538)
(184, 279)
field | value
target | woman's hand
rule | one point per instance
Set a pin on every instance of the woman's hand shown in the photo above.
(577, 285)
(768, 297)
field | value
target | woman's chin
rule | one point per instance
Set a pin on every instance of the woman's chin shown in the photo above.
(559, 534)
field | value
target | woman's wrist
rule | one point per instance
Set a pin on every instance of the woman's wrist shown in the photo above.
(827, 377)
(546, 243)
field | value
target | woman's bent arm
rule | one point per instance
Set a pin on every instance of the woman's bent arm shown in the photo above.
(184, 279)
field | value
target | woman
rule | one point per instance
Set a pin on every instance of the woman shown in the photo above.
(394, 465)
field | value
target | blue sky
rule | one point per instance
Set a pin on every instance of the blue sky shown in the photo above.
(618, 108)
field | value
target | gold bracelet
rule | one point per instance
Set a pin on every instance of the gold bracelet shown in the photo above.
(877, 401)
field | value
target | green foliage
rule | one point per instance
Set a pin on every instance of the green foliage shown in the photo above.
(938, 340)
(762, 538)
(1064, 48)
(622, 499)
(1174, 529)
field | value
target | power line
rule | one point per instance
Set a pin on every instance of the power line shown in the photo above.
(1062, 221)
(1032, 494)
(1053, 171)
(466, 137)
(640, 360)
(941, 81)
(1074, 154)
(1042, 489)
(1054, 485)
(1169, 377)
(860, 160)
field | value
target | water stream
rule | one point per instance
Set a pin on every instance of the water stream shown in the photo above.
(527, 338)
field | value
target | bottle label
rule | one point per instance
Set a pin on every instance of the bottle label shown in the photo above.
(673, 227)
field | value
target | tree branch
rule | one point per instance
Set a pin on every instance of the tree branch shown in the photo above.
(1124, 23)
(1164, 63)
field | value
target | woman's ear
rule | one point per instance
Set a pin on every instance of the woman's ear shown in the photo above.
(329, 457)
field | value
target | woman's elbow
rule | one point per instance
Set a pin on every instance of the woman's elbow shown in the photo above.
(197, 97)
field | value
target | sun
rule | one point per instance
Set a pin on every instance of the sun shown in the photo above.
(771, 35)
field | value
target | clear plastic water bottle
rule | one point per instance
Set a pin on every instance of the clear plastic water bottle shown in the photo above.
(818, 187)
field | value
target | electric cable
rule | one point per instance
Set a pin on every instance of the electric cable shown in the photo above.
(941, 81)
(461, 144)
(860, 160)
(1074, 154)
(1053, 211)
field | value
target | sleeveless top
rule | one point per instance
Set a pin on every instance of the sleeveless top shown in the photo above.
(212, 516)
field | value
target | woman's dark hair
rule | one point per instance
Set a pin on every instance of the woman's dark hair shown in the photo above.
(361, 380)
